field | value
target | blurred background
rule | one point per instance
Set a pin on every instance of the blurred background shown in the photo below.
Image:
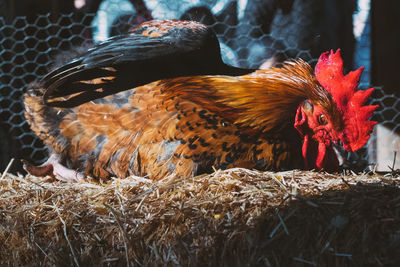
(35, 36)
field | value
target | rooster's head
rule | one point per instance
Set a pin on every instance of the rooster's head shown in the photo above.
(345, 119)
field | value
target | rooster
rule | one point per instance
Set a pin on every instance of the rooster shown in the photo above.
(160, 102)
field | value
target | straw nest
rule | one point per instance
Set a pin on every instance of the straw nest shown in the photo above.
(236, 217)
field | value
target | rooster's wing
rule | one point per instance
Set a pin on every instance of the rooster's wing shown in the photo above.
(154, 50)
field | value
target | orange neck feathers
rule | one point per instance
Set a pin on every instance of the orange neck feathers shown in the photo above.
(264, 101)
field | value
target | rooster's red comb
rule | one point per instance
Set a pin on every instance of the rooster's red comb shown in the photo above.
(349, 100)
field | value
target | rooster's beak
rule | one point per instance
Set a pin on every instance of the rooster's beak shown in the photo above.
(339, 151)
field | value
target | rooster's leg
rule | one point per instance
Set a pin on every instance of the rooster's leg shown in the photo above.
(52, 167)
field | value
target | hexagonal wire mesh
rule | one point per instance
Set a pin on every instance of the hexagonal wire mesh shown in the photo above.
(28, 48)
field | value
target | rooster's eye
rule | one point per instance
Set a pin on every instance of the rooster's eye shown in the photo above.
(322, 119)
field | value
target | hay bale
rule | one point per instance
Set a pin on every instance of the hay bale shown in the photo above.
(235, 217)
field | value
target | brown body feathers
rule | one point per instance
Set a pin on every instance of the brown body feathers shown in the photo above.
(182, 126)
(160, 101)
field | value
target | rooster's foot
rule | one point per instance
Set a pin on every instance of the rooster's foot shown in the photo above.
(53, 168)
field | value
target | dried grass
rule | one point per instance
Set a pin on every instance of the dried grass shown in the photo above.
(235, 217)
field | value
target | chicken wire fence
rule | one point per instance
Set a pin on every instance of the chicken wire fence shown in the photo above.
(250, 36)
